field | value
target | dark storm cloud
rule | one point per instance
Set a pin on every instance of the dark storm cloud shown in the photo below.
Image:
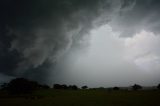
(142, 15)
(36, 32)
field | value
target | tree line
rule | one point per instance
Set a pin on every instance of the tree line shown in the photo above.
(25, 86)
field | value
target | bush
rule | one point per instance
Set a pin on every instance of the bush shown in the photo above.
(84, 87)
(136, 87)
(116, 88)
(158, 87)
(4, 86)
(21, 86)
(58, 86)
(44, 86)
(74, 87)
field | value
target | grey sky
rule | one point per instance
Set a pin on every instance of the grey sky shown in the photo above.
(93, 42)
(113, 60)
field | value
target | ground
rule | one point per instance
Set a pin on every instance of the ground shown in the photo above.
(83, 98)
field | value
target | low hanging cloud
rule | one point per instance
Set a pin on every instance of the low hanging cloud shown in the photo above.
(37, 32)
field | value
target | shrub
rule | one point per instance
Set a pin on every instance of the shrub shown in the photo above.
(21, 86)
(116, 88)
(84, 87)
(136, 87)
(158, 87)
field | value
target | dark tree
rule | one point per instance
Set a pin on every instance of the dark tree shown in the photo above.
(22, 86)
(64, 86)
(158, 87)
(70, 87)
(84, 87)
(4, 86)
(44, 86)
(136, 87)
(74, 87)
(57, 86)
(116, 88)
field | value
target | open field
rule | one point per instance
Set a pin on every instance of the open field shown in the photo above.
(83, 98)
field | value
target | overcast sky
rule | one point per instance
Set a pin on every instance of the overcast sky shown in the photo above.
(83, 42)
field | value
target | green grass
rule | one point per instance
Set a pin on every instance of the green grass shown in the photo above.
(85, 98)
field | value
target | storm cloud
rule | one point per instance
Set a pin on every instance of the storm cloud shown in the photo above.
(36, 36)
(141, 15)
(37, 32)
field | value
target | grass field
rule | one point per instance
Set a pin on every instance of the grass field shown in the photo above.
(83, 98)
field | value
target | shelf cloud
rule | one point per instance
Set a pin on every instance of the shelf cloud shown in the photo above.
(39, 39)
